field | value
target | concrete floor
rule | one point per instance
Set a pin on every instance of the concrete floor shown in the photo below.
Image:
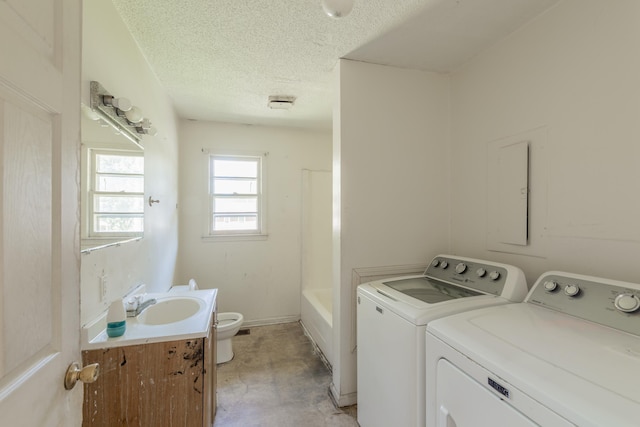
(276, 379)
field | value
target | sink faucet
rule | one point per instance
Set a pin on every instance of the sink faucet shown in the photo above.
(135, 306)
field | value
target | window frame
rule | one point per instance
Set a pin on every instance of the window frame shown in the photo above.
(261, 199)
(92, 192)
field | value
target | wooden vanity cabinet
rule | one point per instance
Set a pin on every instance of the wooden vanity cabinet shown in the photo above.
(169, 383)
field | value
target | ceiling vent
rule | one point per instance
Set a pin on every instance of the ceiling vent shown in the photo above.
(281, 102)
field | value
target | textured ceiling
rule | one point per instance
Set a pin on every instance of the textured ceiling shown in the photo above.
(220, 60)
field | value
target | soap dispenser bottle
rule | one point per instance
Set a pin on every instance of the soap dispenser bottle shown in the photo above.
(116, 319)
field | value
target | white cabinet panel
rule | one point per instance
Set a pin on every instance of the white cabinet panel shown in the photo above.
(517, 197)
(387, 352)
(513, 189)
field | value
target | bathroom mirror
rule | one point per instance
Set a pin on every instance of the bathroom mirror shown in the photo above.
(112, 183)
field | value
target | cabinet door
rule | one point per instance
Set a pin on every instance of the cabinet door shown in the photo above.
(147, 385)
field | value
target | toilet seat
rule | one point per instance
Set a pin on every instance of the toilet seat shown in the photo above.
(225, 322)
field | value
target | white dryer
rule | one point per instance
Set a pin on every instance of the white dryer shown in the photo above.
(569, 355)
(392, 315)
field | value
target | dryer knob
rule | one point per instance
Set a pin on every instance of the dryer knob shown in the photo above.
(627, 303)
(444, 264)
(461, 268)
(572, 290)
(435, 263)
(550, 286)
(494, 275)
(481, 272)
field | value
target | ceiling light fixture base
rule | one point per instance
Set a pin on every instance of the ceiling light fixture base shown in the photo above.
(277, 102)
(337, 8)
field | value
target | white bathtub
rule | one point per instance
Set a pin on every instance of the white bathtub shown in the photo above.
(315, 313)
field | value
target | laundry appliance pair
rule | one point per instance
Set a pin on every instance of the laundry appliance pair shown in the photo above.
(465, 344)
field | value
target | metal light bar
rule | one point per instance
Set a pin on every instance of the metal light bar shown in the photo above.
(101, 103)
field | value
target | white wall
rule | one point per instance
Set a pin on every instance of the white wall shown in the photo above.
(258, 278)
(317, 245)
(111, 57)
(574, 74)
(391, 185)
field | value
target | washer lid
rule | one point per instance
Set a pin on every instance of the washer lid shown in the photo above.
(429, 290)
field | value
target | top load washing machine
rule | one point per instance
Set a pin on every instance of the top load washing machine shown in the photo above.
(392, 315)
(569, 355)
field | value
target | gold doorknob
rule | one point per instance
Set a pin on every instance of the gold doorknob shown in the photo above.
(88, 374)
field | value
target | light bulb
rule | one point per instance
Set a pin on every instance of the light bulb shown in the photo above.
(337, 8)
(134, 115)
(145, 124)
(120, 103)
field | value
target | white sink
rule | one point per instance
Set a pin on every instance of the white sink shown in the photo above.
(175, 316)
(170, 310)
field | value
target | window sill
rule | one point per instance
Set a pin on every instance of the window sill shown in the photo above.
(234, 237)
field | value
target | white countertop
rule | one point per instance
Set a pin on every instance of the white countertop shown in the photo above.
(94, 334)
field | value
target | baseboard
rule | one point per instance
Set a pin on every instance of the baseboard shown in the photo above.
(344, 400)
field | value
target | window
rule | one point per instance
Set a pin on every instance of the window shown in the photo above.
(235, 195)
(116, 195)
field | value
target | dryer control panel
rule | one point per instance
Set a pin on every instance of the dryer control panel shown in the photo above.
(607, 302)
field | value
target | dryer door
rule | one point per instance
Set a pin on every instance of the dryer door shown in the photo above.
(463, 402)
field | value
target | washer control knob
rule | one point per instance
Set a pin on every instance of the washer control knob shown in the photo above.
(444, 264)
(435, 262)
(550, 286)
(481, 272)
(494, 275)
(461, 268)
(627, 303)
(572, 290)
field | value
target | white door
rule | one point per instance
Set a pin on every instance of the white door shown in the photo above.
(39, 245)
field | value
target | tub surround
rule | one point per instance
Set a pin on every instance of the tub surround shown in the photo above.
(316, 317)
(94, 334)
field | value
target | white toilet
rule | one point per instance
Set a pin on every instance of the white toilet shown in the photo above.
(228, 325)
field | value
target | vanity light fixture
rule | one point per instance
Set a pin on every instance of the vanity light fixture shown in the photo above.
(337, 8)
(120, 114)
